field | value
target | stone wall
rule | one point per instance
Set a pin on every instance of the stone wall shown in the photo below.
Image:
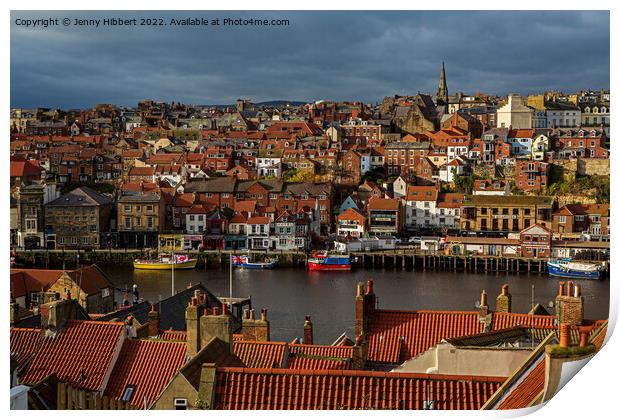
(591, 166)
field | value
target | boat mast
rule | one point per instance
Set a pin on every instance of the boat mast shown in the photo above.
(172, 273)
(230, 258)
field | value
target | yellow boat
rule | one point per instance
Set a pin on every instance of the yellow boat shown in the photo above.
(181, 262)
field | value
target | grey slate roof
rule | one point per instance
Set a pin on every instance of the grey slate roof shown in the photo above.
(82, 196)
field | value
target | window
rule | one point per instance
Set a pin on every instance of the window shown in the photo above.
(34, 297)
(180, 403)
(149, 222)
(562, 219)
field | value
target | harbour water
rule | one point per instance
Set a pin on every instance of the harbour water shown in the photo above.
(290, 294)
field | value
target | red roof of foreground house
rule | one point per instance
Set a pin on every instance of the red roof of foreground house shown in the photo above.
(310, 357)
(287, 389)
(25, 342)
(171, 335)
(81, 355)
(396, 336)
(148, 365)
(527, 391)
(260, 354)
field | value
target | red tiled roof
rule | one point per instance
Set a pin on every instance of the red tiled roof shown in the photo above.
(351, 214)
(422, 193)
(260, 354)
(148, 365)
(377, 203)
(527, 390)
(23, 168)
(396, 336)
(503, 320)
(171, 335)
(80, 355)
(310, 357)
(142, 171)
(286, 389)
(258, 220)
(24, 343)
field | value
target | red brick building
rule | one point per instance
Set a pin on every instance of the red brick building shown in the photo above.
(535, 242)
(532, 175)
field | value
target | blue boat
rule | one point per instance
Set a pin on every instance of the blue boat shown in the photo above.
(242, 261)
(570, 269)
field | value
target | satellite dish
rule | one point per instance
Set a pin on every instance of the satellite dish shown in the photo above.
(551, 304)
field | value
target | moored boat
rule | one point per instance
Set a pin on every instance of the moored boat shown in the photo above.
(571, 269)
(325, 262)
(179, 262)
(242, 261)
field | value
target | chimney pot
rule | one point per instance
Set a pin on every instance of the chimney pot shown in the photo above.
(569, 290)
(564, 335)
(224, 309)
(360, 289)
(584, 334)
(216, 311)
(263, 314)
(561, 291)
(505, 289)
(246, 314)
(251, 313)
(577, 292)
(483, 298)
(370, 287)
(153, 308)
(194, 302)
(207, 312)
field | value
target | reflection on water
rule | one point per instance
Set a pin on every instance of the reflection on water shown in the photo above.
(329, 297)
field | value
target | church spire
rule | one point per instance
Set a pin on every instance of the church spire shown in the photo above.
(442, 90)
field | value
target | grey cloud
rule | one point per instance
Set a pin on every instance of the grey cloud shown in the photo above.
(321, 55)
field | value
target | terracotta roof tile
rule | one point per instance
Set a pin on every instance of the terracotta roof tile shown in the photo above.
(81, 355)
(287, 389)
(171, 335)
(260, 354)
(148, 365)
(25, 342)
(311, 357)
(396, 336)
(527, 390)
(502, 320)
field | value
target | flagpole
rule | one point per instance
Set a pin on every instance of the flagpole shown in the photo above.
(230, 274)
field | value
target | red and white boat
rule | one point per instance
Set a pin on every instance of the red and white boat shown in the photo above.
(324, 262)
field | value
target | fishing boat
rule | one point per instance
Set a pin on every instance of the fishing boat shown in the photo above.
(325, 262)
(243, 261)
(571, 269)
(166, 262)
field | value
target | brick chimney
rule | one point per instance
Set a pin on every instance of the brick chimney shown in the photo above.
(483, 309)
(360, 321)
(255, 329)
(308, 333)
(216, 326)
(365, 305)
(54, 315)
(584, 336)
(503, 303)
(153, 321)
(569, 304)
(192, 327)
(360, 347)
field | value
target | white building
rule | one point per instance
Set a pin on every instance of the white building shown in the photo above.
(420, 207)
(515, 114)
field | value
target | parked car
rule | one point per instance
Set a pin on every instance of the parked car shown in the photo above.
(415, 240)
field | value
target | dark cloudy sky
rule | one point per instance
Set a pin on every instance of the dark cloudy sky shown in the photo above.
(320, 55)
